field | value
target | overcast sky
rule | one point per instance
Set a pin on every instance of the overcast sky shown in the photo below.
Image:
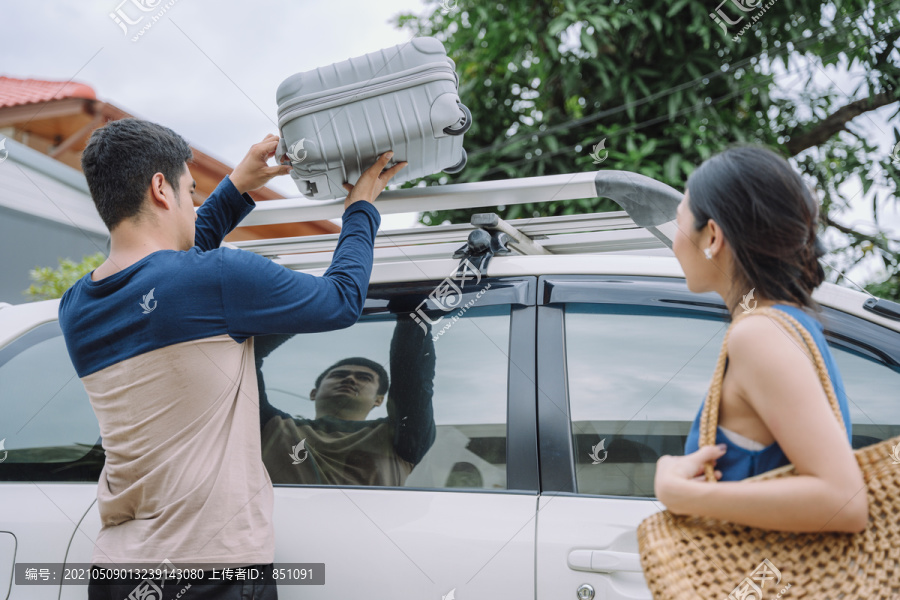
(209, 69)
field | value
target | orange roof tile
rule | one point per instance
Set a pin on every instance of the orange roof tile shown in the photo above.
(14, 92)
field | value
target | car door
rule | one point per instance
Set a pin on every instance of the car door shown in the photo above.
(50, 459)
(461, 524)
(623, 367)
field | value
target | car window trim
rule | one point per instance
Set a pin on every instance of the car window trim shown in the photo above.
(32, 337)
(515, 291)
(850, 332)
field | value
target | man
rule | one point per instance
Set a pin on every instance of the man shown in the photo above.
(161, 336)
(340, 446)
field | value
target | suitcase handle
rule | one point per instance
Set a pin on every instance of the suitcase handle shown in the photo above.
(281, 152)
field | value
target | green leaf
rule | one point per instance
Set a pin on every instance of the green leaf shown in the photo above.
(670, 170)
(52, 283)
(676, 8)
(552, 143)
(599, 23)
(558, 25)
(588, 42)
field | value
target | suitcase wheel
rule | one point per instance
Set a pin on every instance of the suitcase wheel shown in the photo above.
(458, 166)
(461, 127)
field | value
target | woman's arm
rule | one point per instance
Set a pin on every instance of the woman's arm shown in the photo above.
(777, 378)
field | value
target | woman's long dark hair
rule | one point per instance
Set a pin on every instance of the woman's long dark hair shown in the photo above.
(769, 218)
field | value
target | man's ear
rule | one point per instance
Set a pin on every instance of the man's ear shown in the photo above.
(379, 400)
(312, 395)
(162, 195)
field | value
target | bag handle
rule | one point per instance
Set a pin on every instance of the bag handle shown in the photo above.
(709, 418)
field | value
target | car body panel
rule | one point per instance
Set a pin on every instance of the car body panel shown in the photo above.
(572, 528)
(42, 517)
(391, 542)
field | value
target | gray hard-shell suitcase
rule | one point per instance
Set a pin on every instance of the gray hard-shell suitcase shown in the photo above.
(336, 120)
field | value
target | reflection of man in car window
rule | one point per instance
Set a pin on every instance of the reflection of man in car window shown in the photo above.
(340, 446)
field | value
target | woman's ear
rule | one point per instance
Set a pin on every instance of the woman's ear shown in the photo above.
(715, 240)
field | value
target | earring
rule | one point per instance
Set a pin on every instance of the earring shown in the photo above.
(708, 254)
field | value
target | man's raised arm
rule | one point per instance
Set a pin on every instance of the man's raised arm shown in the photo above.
(230, 203)
(409, 403)
(262, 297)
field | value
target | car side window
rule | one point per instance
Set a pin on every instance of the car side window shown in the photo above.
(871, 389)
(49, 430)
(637, 379)
(328, 417)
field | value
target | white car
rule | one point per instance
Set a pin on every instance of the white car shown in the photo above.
(563, 371)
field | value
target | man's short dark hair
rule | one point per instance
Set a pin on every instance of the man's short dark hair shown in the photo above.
(358, 361)
(120, 160)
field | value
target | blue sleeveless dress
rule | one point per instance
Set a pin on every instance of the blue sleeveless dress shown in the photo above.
(740, 463)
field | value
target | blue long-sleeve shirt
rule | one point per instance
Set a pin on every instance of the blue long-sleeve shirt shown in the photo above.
(165, 351)
(209, 290)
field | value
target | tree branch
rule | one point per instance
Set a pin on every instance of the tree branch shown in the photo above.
(835, 122)
(880, 242)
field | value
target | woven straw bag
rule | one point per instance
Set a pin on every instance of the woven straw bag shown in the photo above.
(687, 557)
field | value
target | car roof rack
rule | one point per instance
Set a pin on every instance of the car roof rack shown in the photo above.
(647, 221)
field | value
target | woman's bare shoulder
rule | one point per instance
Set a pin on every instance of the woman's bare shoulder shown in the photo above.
(759, 337)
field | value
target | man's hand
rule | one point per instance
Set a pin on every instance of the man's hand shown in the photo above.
(373, 181)
(253, 171)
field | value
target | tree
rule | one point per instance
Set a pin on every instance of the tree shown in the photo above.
(52, 283)
(664, 86)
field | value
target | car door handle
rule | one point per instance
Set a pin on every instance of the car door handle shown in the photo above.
(604, 561)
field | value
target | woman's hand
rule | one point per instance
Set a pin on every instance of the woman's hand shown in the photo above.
(677, 477)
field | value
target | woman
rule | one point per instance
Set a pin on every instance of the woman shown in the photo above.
(748, 223)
